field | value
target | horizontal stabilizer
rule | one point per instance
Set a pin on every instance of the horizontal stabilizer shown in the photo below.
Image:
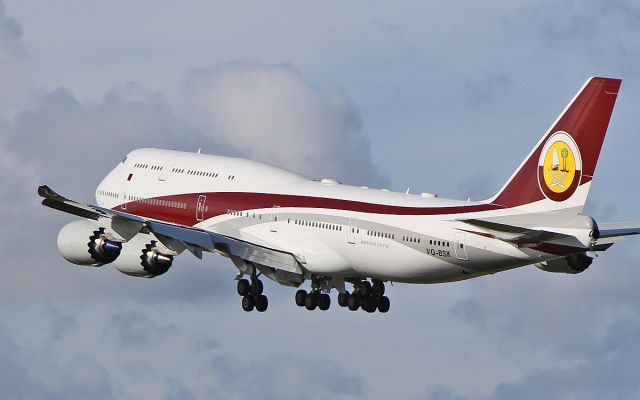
(615, 230)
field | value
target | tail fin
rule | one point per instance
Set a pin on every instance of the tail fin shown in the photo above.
(557, 174)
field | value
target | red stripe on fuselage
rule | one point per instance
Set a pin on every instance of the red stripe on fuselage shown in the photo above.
(219, 203)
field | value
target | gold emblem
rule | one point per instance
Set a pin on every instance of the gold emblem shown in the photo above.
(559, 167)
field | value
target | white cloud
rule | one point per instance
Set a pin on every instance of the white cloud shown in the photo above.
(271, 113)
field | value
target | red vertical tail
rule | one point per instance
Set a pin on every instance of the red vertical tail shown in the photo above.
(556, 175)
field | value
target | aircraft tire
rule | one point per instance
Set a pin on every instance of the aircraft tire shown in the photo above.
(365, 288)
(262, 303)
(324, 302)
(244, 287)
(248, 303)
(259, 287)
(353, 303)
(310, 302)
(343, 299)
(384, 304)
(301, 296)
(378, 289)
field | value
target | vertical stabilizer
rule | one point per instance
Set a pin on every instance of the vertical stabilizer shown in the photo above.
(557, 174)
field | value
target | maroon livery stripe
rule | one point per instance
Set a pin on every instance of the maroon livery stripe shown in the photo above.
(219, 203)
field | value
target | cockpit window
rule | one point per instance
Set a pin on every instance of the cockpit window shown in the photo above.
(124, 159)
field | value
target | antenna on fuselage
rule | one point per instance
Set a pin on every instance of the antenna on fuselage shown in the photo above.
(407, 192)
(200, 149)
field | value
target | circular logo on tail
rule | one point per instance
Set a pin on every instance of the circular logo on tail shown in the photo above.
(559, 167)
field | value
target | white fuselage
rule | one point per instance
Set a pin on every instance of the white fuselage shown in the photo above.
(333, 229)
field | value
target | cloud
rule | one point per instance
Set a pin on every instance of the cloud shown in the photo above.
(286, 377)
(271, 113)
(14, 65)
(27, 374)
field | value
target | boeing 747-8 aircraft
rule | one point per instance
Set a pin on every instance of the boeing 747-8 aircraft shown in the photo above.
(269, 222)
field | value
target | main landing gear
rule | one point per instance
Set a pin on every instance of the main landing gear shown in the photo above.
(251, 293)
(314, 299)
(366, 296)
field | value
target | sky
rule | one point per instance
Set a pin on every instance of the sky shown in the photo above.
(442, 96)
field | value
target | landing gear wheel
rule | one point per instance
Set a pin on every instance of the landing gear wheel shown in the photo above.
(378, 289)
(258, 287)
(301, 296)
(262, 303)
(353, 303)
(324, 302)
(310, 301)
(365, 288)
(343, 298)
(244, 287)
(248, 303)
(384, 304)
(369, 305)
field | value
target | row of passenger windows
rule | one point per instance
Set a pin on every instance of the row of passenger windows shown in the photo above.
(334, 227)
(200, 173)
(314, 224)
(241, 214)
(182, 171)
(108, 194)
(147, 166)
(410, 239)
(381, 234)
(159, 202)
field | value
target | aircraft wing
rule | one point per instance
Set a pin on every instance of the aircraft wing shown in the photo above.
(174, 236)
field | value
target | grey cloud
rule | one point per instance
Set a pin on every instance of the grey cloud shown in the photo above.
(14, 64)
(609, 372)
(600, 33)
(27, 374)
(134, 329)
(177, 391)
(582, 325)
(286, 377)
(441, 392)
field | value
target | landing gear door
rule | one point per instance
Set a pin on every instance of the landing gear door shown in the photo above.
(353, 229)
(460, 246)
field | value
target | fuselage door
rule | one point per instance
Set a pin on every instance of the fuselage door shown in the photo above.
(274, 219)
(164, 173)
(125, 186)
(460, 246)
(200, 208)
(353, 229)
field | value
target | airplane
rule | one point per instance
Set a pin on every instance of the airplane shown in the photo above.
(156, 204)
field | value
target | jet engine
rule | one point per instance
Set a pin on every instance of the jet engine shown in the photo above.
(85, 242)
(144, 257)
(572, 264)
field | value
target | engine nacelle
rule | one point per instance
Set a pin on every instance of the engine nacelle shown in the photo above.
(84, 242)
(572, 264)
(144, 257)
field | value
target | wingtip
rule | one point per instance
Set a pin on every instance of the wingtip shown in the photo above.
(43, 190)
